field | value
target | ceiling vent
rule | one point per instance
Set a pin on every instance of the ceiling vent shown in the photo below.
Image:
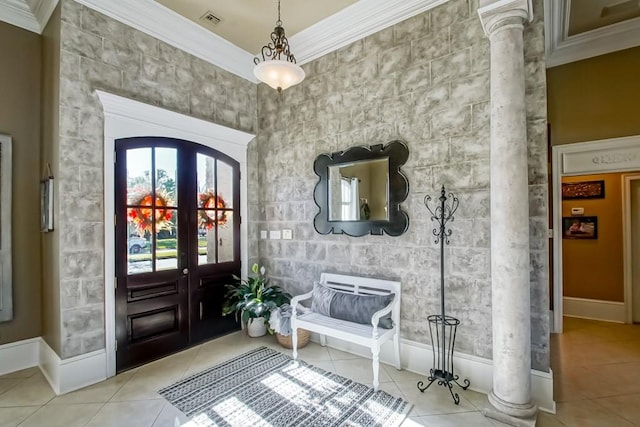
(210, 18)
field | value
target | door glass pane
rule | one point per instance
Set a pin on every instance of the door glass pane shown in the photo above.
(138, 174)
(206, 175)
(138, 247)
(223, 244)
(166, 182)
(149, 217)
(206, 242)
(167, 240)
(225, 183)
(225, 240)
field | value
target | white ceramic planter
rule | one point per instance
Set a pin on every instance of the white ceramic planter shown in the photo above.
(256, 327)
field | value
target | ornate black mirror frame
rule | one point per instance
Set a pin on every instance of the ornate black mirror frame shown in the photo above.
(398, 220)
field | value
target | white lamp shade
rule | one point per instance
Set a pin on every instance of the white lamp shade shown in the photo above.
(279, 74)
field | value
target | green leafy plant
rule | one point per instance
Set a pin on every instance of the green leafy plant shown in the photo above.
(253, 297)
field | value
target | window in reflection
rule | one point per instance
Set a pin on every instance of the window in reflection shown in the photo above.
(359, 191)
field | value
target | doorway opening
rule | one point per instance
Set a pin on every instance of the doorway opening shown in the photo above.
(588, 158)
(126, 118)
(177, 244)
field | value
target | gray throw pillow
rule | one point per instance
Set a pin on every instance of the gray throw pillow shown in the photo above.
(321, 299)
(350, 307)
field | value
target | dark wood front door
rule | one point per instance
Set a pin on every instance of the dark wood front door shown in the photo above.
(177, 232)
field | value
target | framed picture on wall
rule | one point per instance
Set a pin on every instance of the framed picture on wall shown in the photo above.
(583, 190)
(580, 227)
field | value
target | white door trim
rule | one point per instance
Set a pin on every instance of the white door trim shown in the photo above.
(626, 236)
(124, 118)
(583, 158)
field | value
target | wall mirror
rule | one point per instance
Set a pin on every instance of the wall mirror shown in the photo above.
(6, 302)
(360, 190)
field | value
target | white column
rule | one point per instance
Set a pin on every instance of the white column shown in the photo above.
(503, 22)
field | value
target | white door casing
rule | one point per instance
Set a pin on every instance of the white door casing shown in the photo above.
(631, 235)
(124, 118)
(601, 156)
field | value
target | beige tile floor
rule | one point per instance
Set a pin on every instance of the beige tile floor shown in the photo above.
(596, 366)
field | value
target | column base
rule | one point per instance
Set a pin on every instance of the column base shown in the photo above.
(508, 419)
(511, 413)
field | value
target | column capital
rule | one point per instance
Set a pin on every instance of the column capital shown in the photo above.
(495, 14)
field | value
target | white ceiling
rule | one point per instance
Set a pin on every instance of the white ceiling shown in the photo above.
(248, 23)
(574, 29)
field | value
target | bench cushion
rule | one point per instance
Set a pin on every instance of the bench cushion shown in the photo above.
(356, 308)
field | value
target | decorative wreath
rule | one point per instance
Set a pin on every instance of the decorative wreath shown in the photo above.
(207, 219)
(142, 217)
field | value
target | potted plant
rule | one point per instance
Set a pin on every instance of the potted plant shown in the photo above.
(254, 298)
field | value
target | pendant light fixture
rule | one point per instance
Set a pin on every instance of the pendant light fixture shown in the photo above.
(278, 67)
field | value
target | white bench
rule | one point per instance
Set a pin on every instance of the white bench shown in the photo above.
(367, 335)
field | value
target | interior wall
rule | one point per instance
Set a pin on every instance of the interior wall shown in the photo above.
(20, 118)
(50, 108)
(593, 268)
(426, 81)
(596, 98)
(98, 52)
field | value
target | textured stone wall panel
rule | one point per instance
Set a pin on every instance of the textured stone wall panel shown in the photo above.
(98, 52)
(426, 81)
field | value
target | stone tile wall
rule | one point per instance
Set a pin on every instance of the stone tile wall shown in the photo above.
(98, 52)
(426, 81)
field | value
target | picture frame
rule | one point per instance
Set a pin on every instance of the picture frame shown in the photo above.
(580, 227)
(46, 205)
(583, 190)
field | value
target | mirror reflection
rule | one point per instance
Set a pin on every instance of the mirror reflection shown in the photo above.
(359, 191)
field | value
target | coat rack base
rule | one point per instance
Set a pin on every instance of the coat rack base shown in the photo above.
(443, 331)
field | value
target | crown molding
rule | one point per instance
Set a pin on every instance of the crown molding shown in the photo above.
(563, 49)
(18, 13)
(43, 9)
(31, 15)
(354, 22)
(164, 24)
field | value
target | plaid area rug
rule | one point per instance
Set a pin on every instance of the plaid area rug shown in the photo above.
(267, 388)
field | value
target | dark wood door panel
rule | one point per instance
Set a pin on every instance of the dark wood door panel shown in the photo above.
(144, 351)
(154, 323)
(170, 290)
(141, 288)
(208, 321)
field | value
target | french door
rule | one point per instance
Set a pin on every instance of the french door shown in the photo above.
(177, 230)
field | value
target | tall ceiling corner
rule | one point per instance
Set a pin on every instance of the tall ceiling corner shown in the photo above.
(574, 31)
(31, 15)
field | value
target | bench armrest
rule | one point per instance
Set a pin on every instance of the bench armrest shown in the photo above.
(375, 319)
(296, 300)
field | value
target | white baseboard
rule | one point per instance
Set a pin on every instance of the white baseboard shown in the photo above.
(73, 373)
(417, 357)
(19, 355)
(609, 311)
(63, 375)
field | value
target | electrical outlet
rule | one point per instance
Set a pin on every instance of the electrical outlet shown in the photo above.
(287, 234)
(263, 234)
(275, 235)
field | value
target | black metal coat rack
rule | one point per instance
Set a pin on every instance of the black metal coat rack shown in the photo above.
(443, 328)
